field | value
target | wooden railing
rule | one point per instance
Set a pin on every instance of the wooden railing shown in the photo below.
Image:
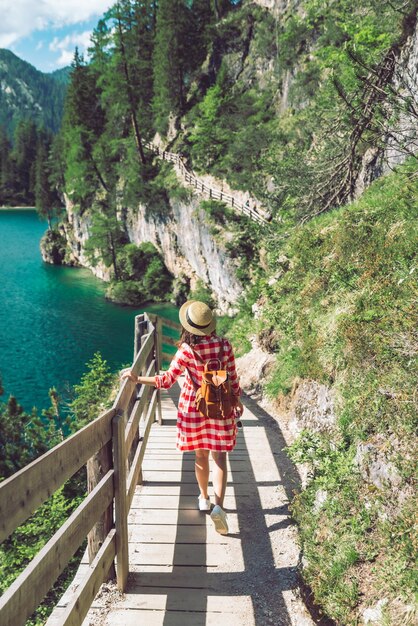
(254, 213)
(114, 439)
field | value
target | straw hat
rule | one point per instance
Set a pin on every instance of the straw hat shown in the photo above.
(197, 318)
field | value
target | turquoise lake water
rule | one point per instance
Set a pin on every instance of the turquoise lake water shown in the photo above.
(53, 319)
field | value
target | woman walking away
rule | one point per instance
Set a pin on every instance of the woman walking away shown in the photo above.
(199, 345)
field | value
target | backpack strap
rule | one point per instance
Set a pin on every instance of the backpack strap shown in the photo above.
(199, 358)
(202, 362)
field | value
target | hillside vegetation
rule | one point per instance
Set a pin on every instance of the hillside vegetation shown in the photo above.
(341, 310)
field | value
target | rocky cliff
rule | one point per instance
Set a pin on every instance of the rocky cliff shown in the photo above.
(180, 233)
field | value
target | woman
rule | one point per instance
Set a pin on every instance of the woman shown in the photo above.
(199, 345)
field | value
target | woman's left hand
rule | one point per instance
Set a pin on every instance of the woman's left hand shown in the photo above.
(239, 408)
(128, 373)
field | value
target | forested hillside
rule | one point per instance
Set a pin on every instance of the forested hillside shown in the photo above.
(310, 107)
(31, 107)
(26, 93)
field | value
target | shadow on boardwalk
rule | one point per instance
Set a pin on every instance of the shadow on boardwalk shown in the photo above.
(185, 572)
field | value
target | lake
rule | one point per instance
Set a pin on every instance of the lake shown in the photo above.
(53, 319)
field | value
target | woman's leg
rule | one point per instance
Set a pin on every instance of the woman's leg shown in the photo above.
(219, 476)
(201, 468)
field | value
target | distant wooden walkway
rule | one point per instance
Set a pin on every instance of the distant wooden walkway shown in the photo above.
(184, 573)
(249, 208)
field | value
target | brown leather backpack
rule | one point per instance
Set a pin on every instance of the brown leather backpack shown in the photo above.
(214, 397)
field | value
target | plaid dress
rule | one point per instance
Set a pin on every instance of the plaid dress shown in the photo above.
(194, 431)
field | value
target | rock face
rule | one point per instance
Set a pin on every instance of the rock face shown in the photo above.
(253, 367)
(183, 237)
(75, 229)
(312, 407)
(405, 134)
(179, 232)
(375, 467)
(402, 140)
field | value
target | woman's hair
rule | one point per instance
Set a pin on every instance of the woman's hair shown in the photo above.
(189, 338)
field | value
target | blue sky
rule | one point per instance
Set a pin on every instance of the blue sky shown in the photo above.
(46, 32)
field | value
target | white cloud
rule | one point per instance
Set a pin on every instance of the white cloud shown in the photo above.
(66, 57)
(67, 44)
(22, 17)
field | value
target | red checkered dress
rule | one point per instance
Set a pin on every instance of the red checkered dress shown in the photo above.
(194, 431)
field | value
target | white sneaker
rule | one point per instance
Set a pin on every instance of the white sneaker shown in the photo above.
(204, 505)
(218, 516)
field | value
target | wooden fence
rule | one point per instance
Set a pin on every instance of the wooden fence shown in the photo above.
(112, 447)
(258, 215)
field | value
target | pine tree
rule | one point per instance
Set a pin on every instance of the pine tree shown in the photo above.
(84, 122)
(24, 155)
(6, 191)
(46, 198)
(170, 60)
(106, 237)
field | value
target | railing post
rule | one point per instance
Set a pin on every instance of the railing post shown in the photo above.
(97, 467)
(139, 331)
(158, 333)
(121, 509)
(159, 360)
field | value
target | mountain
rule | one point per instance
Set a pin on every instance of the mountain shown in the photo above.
(62, 75)
(27, 93)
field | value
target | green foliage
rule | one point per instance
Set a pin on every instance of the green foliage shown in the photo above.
(335, 115)
(105, 240)
(170, 61)
(231, 130)
(143, 276)
(203, 293)
(23, 438)
(238, 330)
(92, 392)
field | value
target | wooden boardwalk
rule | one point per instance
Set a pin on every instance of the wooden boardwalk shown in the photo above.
(184, 573)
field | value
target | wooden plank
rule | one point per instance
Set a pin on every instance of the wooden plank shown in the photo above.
(127, 388)
(140, 451)
(159, 354)
(78, 607)
(133, 422)
(168, 357)
(167, 599)
(121, 508)
(138, 331)
(147, 489)
(170, 533)
(25, 491)
(175, 618)
(184, 554)
(170, 341)
(166, 516)
(186, 577)
(162, 464)
(170, 324)
(174, 502)
(147, 346)
(177, 518)
(189, 477)
(23, 596)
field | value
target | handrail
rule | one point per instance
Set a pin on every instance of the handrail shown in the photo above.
(258, 215)
(22, 493)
